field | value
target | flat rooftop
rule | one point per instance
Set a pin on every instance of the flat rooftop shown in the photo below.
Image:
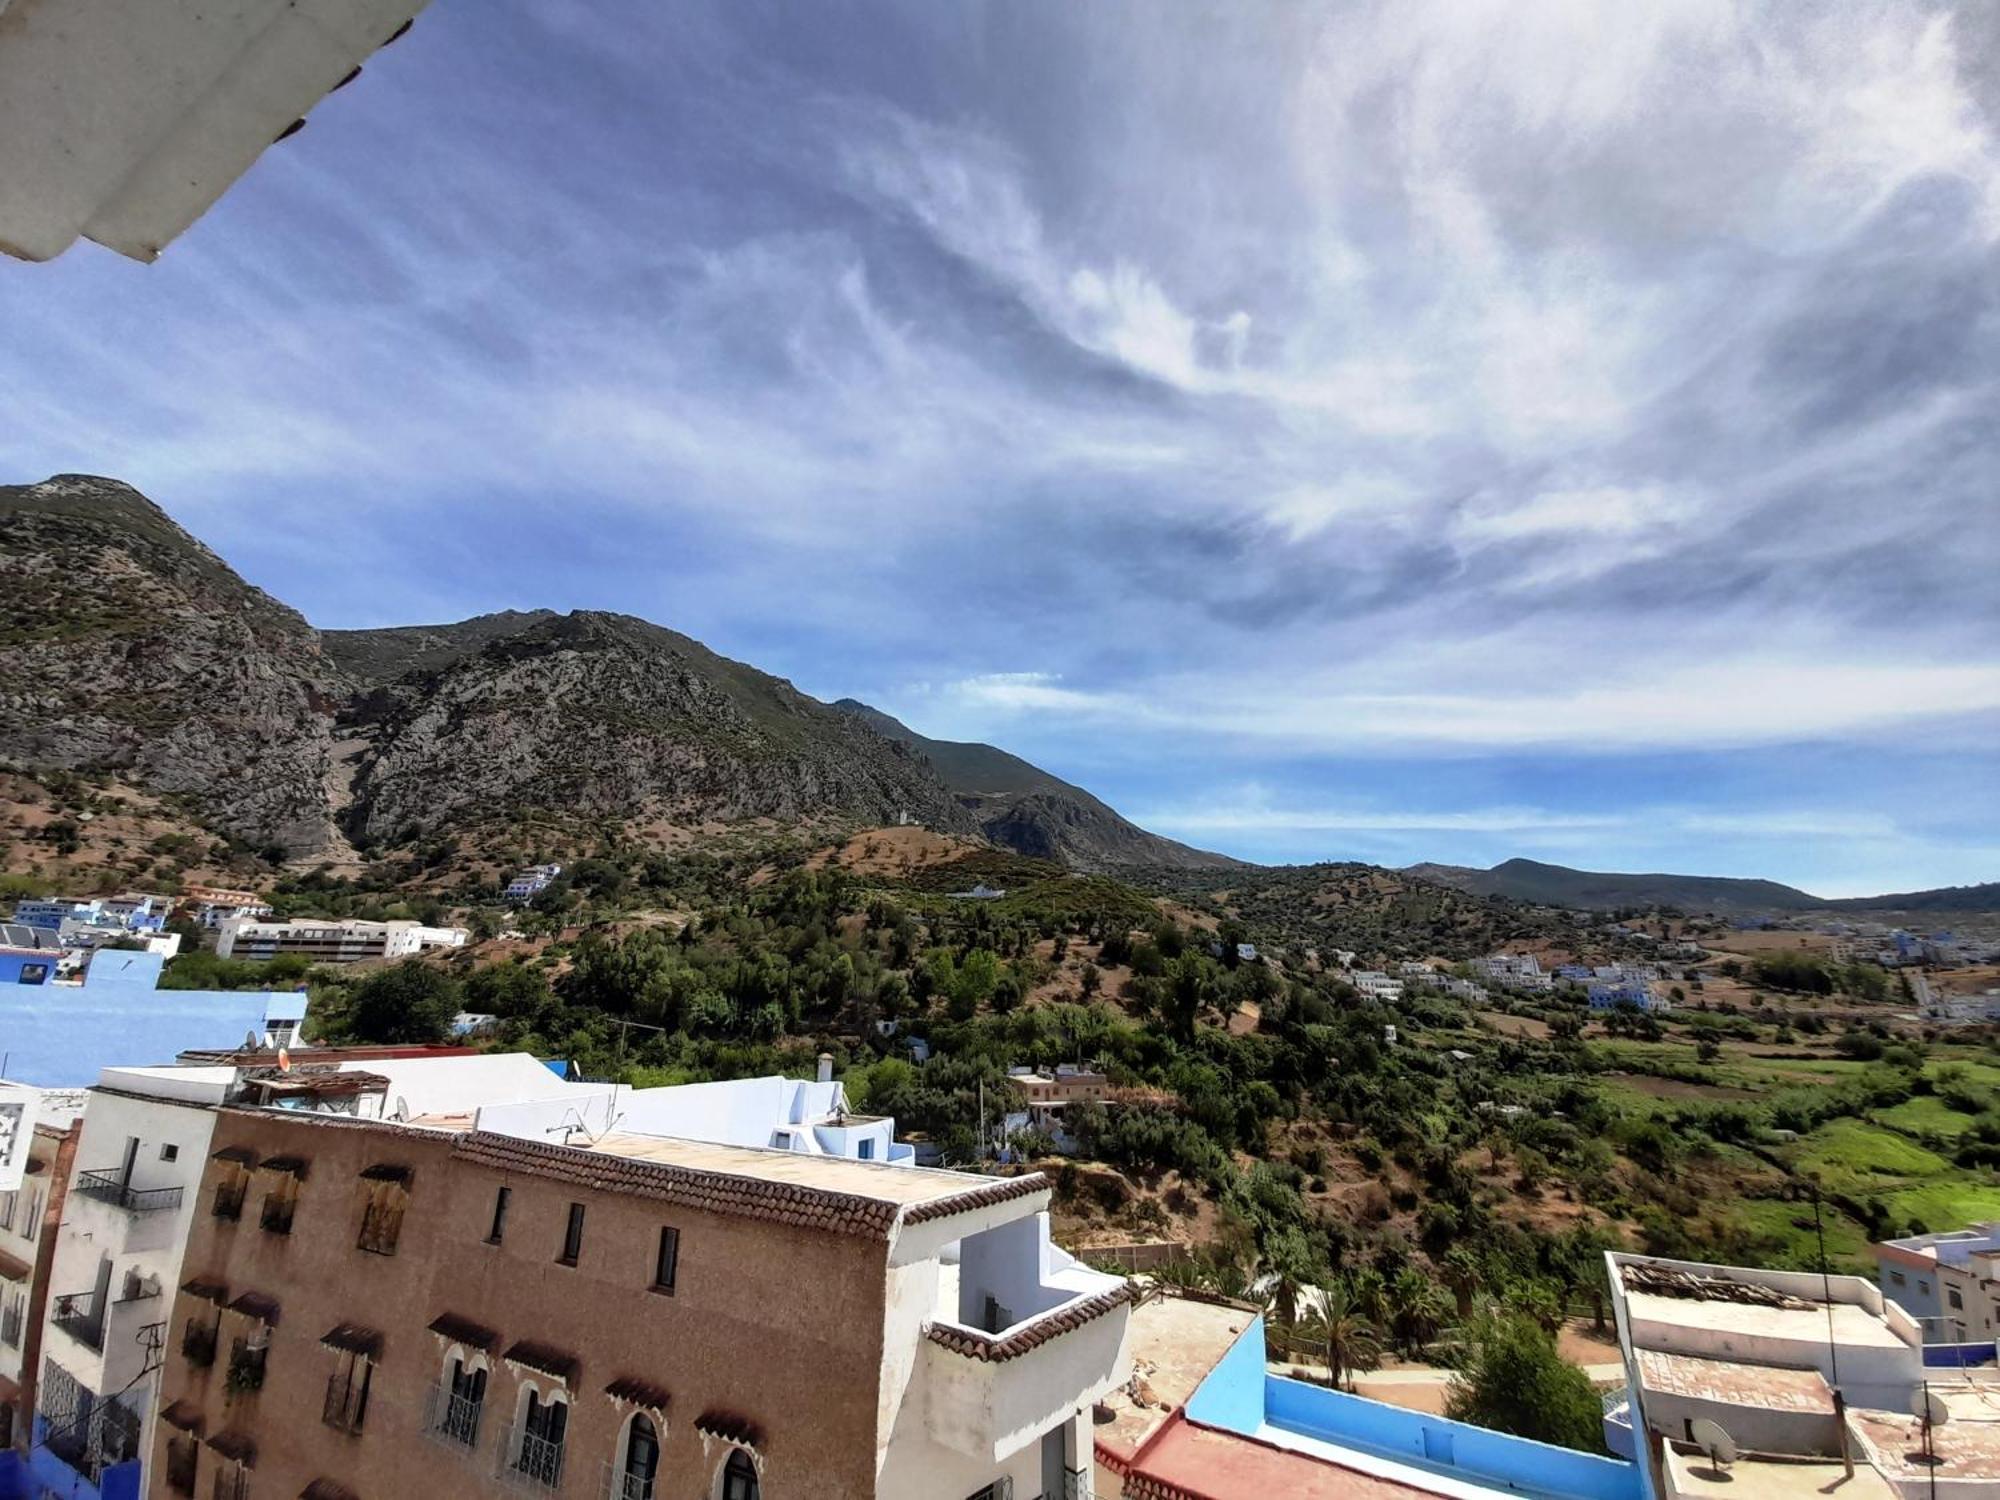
(1757, 1477)
(881, 1181)
(1805, 1324)
(1965, 1449)
(1737, 1384)
(1174, 1342)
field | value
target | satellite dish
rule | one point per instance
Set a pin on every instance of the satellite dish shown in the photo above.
(1928, 1407)
(1712, 1439)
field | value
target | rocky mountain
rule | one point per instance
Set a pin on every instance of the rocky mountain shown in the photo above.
(127, 644)
(1020, 806)
(603, 716)
(1558, 885)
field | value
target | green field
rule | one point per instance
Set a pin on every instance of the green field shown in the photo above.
(1782, 1236)
(1944, 1205)
(1853, 1156)
(1925, 1115)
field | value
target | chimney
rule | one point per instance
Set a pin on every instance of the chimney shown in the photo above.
(826, 1067)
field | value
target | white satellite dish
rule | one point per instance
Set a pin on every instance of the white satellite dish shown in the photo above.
(1928, 1407)
(1712, 1439)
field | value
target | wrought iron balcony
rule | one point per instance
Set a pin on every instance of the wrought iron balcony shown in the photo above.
(451, 1418)
(619, 1485)
(81, 1316)
(111, 1187)
(529, 1462)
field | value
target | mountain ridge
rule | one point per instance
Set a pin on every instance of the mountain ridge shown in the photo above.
(129, 646)
(1560, 885)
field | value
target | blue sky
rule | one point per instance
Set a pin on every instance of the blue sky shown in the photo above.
(1418, 431)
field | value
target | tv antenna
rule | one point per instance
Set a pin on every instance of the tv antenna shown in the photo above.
(1931, 1412)
(1712, 1439)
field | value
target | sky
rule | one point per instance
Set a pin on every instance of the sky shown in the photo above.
(1419, 431)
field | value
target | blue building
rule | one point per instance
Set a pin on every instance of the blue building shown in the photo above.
(51, 912)
(27, 966)
(64, 1035)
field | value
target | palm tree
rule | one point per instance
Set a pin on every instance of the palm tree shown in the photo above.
(1416, 1307)
(1348, 1340)
(1464, 1275)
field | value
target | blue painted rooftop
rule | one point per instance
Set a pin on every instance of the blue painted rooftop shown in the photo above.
(64, 1035)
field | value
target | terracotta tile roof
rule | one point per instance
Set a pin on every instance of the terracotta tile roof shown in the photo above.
(294, 1166)
(208, 1291)
(729, 1427)
(353, 1338)
(715, 1192)
(243, 1156)
(327, 1489)
(185, 1415)
(976, 1345)
(464, 1331)
(639, 1392)
(544, 1357)
(1191, 1462)
(12, 1268)
(237, 1445)
(1003, 1190)
(385, 1171)
(256, 1305)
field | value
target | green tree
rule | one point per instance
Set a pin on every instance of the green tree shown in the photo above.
(1341, 1335)
(411, 1002)
(1515, 1381)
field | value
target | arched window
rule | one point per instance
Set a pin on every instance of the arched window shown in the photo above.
(739, 1477)
(642, 1459)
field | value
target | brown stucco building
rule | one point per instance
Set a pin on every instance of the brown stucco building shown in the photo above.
(377, 1310)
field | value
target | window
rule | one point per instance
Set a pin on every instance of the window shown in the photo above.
(198, 1339)
(865, 1148)
(232, 1482)
(1897, 1278)
(246, 1363)
(499, 1228)
(382, 1215)
(347, 1391)
(642, 1460)
(182, 1452)
(1924, 1288)
(455, 1412)
(572, 1236)
(542, 1431)
(739, 1477)
(1952, 1296)
(34, 974)
(281, 1203)
(231, 1188)
(169, 1151)
(668, 1259)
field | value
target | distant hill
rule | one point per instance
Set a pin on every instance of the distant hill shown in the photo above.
(1022, 807)
(1558, 885)
(129, 648)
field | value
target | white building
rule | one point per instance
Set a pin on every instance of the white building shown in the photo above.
(531, 882)
(1375, 985)
(332, 942)
(1812, 1380)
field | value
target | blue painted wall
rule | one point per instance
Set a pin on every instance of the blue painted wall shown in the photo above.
(1473, 1453)
(1232, 1396)
(18, 967)
(1238, 1396)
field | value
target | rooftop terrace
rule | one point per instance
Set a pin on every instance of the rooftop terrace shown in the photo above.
(1735, 1383)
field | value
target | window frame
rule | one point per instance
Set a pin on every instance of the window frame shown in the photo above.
(572, 1244)
(666, 1260)
(496, 1232)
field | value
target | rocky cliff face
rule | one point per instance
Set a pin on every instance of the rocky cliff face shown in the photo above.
(126, 644)
(1022, 807)
(603, 715)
